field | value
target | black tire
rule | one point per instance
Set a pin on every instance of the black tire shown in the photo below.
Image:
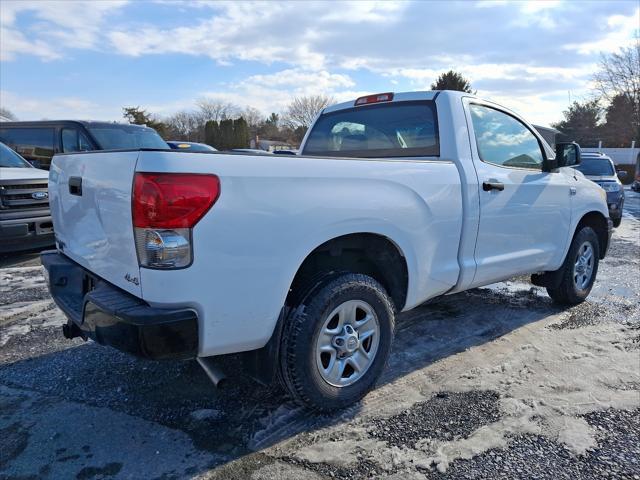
(567, 292)
(617, 222)
(299, 370)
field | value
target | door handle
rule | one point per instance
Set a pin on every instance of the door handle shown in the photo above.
(75, 186)
(572, 190)
(488, 186)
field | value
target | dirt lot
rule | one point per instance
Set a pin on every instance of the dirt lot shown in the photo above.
(493, 383)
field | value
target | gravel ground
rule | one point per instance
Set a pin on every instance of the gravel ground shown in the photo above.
(493, 383)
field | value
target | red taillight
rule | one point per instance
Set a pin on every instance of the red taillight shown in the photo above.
(377, 98)
(172, 200)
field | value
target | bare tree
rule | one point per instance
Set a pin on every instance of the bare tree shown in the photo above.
(619, 73)
(186, 125)
(212, 109)
(302, 111)
(252, 116)
(619, 76)
(6, 113)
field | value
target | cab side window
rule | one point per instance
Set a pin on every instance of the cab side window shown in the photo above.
(73, 140)
(503, 140)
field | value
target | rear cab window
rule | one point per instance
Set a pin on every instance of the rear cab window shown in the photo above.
(387, 130)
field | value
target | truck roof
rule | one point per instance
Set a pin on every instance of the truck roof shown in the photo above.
(57, 123)
(404, 97)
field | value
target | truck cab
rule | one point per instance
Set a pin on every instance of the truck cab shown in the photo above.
(301, 262)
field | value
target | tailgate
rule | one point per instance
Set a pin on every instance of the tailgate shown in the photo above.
(90, 199)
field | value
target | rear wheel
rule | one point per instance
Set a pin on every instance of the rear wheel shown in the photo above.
(579, 270)
(336, 344)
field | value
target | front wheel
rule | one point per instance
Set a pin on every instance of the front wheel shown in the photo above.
(336, 344)
(579, 270)
(617, 222)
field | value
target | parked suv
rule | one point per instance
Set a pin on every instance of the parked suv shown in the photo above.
(600, 169)
(25, 221)
(39, 141)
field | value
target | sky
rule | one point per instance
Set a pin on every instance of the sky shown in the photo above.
(86, 60)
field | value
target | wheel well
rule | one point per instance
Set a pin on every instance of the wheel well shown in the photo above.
(366, 253)
(598, 222)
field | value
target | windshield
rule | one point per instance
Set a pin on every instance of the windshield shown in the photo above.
(10, 159)
(400, 129)
(595, 167)
(119, 137)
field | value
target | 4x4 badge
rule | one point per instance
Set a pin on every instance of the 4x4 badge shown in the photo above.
(131, 279)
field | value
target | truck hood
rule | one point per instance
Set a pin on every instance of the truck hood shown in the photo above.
(23, 174)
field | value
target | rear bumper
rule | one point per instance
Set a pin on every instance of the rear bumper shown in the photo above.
(26, 233)
(110, 316)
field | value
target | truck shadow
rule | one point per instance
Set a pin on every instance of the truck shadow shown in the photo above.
(244, 417)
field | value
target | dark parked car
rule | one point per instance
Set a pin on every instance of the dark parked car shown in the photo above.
(190, 146)
(39, 141)
(600, 169)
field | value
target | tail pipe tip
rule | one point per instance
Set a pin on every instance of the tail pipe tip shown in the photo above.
(213, 371)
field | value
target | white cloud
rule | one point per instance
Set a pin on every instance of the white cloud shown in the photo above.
(530, 52)
(620, 31)
(59, 25)
(265, 32)
(296, 78)
(67, 108)
(14, 42)
(423, 77)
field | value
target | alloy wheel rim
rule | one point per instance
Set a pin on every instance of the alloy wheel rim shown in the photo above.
(347, 343)
(583, 267)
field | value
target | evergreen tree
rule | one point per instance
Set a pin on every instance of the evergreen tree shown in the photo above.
(226, 134)
(240, 133)
(580, 123)
(619, 129)
(138, 116)
(452, 81)
(212, 134)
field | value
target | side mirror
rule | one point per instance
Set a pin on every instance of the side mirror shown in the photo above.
(567, 154)
(621, 174)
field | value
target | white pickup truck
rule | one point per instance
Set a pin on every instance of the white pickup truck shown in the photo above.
(302, 262)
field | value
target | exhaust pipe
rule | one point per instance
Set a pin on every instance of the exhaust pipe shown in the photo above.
(213, 372)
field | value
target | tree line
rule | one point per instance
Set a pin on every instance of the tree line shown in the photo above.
(612, 116)
(224, 125)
